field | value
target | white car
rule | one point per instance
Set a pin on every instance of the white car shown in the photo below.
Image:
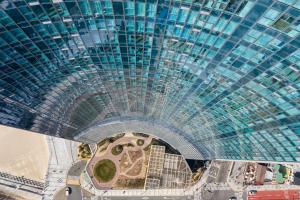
(68, 191)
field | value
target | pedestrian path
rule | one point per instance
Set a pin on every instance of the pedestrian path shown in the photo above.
(60, 160)
(273, 187)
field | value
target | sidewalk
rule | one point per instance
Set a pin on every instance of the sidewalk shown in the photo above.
(236, 176)
(61, 158)
(141, 192)
(273, 187)
(196, 189)
(86, 184)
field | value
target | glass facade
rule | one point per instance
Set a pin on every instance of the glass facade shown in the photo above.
(223, 72)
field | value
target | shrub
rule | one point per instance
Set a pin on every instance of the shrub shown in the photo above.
(116, 150)
(140, 142)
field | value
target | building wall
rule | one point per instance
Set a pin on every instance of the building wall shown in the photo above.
(224, 73)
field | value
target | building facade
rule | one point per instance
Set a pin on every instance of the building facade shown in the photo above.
(214, 78)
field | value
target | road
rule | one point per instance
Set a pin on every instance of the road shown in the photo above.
(223, 172)
(147, 198)
(74, 175)
(77, 168)
(75, 193)
(219, 172)
(218, 195)
(59, 163)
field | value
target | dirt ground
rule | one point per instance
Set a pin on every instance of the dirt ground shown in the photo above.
(134, 155)
(136, 169)
(23, 153)
(124, 163)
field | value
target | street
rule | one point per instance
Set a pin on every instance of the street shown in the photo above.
(76, 192)
(146, 198)
(77, 168)
(218, 177)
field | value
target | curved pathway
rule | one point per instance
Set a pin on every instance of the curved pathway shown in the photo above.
(117, 158)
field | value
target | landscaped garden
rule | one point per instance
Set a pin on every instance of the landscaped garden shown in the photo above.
(140, 142)
(141, 135)
(120, 162)
(110, 140)
(104, 170)
(84, 151)
(116, 150)
(281, 173)
(124, 182)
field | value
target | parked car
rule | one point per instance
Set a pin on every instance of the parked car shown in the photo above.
(252, 192)
(68, 191)
(232, 198)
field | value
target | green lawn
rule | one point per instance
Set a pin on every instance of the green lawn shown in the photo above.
(104, 170)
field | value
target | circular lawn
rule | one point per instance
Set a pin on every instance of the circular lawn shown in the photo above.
(104, 170)
(140, 142)
(116, 150)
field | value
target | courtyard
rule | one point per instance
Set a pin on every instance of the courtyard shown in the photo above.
(120, 162)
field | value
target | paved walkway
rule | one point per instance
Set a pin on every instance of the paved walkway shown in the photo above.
(196, 189)
(116, 158)
(142, 193)
(273, 187)
(61, 159)
(132, 166)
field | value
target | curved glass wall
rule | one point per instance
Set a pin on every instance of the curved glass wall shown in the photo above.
(223, 72)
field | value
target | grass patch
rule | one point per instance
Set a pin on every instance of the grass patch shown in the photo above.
(110, 140)
(140, 135)
(140, 142)
(128, 145)
(103, 142)
(104, 170)
(103, 149)
(113, 139)
(116, 150)
(84, 151)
